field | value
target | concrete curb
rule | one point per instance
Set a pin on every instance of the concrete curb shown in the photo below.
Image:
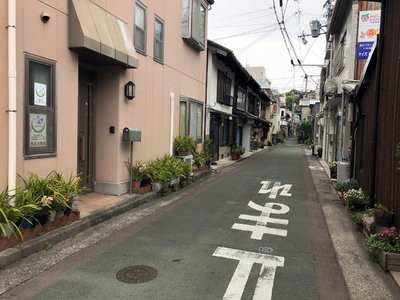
(48, 240)
(364, 279)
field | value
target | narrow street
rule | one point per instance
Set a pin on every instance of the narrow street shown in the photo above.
(192, 243)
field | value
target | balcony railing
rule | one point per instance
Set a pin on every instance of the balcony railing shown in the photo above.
(227, 100)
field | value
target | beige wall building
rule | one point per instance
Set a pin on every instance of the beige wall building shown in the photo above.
(72, 70)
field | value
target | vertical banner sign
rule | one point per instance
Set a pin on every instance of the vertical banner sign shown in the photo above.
(368, 30)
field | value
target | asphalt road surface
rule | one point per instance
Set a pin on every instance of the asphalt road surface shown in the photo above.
(253, 231)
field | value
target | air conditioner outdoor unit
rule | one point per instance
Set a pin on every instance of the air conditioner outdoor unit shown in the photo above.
(343, 171)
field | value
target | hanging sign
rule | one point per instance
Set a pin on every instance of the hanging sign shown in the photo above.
(37, 130)
(40, 91)
(368, 30)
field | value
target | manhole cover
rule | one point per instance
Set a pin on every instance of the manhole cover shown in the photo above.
(137, 274)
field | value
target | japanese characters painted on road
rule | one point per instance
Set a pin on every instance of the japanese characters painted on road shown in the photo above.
(261, 226)
(265, 282)
(274, 190)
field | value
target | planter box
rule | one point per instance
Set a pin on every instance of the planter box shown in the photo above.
(235, 156)
(137, 188)
(389, 261)
(30, 233)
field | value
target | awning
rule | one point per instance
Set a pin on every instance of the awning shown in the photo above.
(99, 35)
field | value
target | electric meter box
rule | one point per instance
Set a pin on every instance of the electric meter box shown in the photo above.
(131, 135)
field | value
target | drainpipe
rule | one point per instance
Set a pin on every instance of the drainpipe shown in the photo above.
(12, 97)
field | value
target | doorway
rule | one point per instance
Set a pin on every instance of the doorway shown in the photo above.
(86, 125)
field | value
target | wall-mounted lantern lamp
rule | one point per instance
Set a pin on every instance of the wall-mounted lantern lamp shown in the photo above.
(130, 90)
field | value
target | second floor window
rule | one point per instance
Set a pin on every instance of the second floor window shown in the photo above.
(194, 16)
(159, 41)
(140, 28)
(241, 99)
(224, 87)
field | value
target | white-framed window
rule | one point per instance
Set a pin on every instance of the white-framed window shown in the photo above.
(158, 41)
(140, 28)
(191, 118)
(194, 20)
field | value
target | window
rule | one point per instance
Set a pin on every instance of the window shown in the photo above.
(191, 119)
(194, 14)
(338, 62)
(40, 131)
(241, 99)
(140, 28)
(224, 87)
(159, 41)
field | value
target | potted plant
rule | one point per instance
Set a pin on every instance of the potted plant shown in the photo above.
(184, 145)
(236, 152)
(382, 216)
(160, 175)
(138, 173)
(333, 169)
(344, 186)
(385, 247)
(356, 200)
(200, 160)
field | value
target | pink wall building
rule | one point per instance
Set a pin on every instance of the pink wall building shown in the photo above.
(74, 59)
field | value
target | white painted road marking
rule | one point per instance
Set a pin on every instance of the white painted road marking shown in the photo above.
(274, 191)
(261, 227)
(265, 282)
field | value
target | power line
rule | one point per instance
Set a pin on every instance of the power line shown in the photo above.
(250, 32)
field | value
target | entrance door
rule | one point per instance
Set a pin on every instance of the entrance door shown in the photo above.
(86, 129)
(214, 135)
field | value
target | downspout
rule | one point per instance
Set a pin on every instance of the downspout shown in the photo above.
(12, 98)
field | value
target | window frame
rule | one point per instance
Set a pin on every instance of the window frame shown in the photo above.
(158, 59)
(193, 33)
(188, 113)
(139, 50)
(48, 151)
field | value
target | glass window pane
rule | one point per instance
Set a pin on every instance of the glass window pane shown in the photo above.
(185, 18)
(39, 84)
(183, 119)
(202, 24)
(140, 39)
(199, 125)
(193, 121)
(140, 17)
(159, 30)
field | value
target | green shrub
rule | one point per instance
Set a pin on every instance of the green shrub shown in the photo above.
(388, 240)
(200, 159)
(138, 171)
(55, 192)
(356, 199)
(237, 150)
(167, 168)
(357, 218)
(184, 145)
(345, 186)
(11, 215)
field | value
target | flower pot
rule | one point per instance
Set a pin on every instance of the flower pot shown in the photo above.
(52, 216)
(139, 187)
(157, 186)
(165, 189)
(235, 156)
(389, 261)
(384, 219)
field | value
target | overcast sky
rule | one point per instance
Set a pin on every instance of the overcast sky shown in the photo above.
(257, 40)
